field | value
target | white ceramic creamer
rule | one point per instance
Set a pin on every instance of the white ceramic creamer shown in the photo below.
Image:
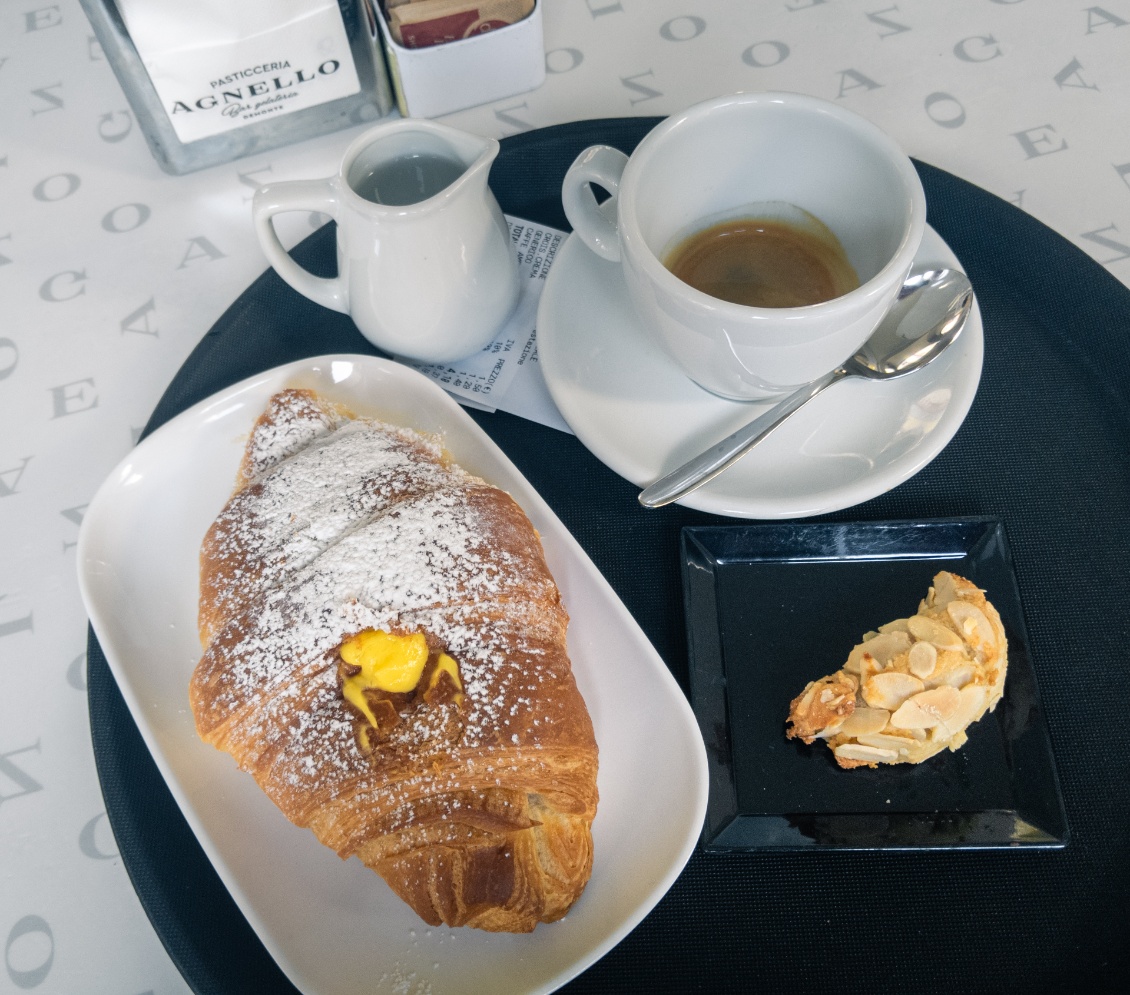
(426, 269)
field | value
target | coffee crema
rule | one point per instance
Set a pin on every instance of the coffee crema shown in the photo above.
(765, 261)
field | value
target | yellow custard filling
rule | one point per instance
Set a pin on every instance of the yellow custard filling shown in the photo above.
(391, 663)
(447, 665)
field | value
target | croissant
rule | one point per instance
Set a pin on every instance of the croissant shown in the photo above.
(384, 652)
(911, 689)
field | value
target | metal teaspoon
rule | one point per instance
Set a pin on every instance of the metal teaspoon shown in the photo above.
(900, 345)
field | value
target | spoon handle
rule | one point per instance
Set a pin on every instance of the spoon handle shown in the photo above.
(706, 466)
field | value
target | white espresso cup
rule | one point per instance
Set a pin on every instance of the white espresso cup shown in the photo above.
(742, 156)
(425, 264)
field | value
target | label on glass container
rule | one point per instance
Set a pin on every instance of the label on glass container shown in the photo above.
(218, 65)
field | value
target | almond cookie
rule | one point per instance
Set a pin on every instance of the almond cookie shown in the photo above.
(912, 688)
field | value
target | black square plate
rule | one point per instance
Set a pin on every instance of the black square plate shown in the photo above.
(771, 607)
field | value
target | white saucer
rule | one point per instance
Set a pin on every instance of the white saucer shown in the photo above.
(641, 416)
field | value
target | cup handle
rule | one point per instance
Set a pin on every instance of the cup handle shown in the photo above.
(298, 195)
(603, 165)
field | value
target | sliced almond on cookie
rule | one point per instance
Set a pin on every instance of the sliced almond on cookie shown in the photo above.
(883, 648)
(928, 709)
(890, 689)
(928, 629)
(864, 720)
(868, 754)
(922, 659)
(974, 626)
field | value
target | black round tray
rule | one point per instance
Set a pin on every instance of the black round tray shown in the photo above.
(1044, 449)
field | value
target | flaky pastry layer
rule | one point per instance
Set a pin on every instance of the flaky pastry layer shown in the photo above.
(475, 805)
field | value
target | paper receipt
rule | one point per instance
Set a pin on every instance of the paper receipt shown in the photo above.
(505, 375)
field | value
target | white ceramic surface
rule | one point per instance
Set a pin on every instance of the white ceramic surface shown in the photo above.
(333, 925)
(432, 280)
(760, 155)
(638, 413)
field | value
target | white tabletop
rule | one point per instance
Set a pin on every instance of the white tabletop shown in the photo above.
(111, 271)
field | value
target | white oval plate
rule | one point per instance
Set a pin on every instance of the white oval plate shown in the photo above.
(334, 925)
(641, 416)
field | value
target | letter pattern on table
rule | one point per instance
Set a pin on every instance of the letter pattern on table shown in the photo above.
(111, 272)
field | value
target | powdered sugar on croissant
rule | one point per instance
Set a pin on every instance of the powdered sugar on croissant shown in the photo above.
(385, 654)
(911, 689)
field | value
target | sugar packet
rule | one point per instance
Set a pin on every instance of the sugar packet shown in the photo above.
(421, 23)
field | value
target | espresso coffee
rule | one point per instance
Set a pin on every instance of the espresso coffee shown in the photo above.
(409, 179)
(778, 261)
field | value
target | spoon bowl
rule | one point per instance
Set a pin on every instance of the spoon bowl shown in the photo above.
(926, 318)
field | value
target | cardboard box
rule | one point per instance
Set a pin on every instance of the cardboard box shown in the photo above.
(441, 79)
